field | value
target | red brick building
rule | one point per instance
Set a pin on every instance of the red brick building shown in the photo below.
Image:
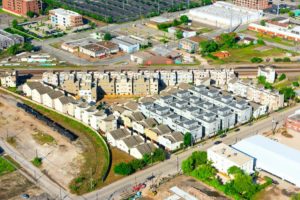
(293, 122)
(253, 4)
(21, 7)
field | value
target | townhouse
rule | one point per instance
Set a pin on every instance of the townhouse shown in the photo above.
(49, 98)
(271, 98)
(96, 119)
(61, 103)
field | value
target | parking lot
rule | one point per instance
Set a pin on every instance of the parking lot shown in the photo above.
(125, 10)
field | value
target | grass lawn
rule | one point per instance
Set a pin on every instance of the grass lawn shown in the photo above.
(281, 84)
(43, 138)
(5, 166)
(270, 38)
(16, 16)
(244, 55)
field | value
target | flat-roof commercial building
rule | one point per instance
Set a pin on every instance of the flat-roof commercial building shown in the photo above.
(8, 39)
(65, 18)
(253, 4)
(273, 157)
(21, 7)
(99, 49)
(223, 157)
(222, 14)
(127, 43)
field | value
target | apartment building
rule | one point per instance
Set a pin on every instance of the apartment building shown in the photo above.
(65, 18)
(271, 98)
(124, 86)
(223, 157)
(253, 4)
(8, 39)
(106, 85)
(268, 72)
(9, 78)
(200, 111)
(21, 7)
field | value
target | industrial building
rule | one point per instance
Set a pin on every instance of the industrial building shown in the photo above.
(293, 122)
(21, 7)
(8, 39)
(223, 14)
(273, 157)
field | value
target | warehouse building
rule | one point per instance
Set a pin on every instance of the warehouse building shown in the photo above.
(222, 14)
(272, 157)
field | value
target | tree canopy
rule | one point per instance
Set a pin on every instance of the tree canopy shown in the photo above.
(187, 139)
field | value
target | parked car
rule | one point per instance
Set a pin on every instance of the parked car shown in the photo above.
(138, 187)
(25, 196)
(217, 142)
(149, 178)
(236, 130)
(223, 135)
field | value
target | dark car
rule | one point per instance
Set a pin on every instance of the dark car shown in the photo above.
(149, 178)
(217, 142)
(1, 150)
(223, 135)
(236, 130)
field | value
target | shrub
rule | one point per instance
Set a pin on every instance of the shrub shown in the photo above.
(256, 60)
(37, 161)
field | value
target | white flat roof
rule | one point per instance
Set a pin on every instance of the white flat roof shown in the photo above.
(63, 12)
(273, 157)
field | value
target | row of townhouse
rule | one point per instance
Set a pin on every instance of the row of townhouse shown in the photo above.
(131, 118)
(201, 111)
(55, 99)
(130, 143)
(139, 82)
(270, 98)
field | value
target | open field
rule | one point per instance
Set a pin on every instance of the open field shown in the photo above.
(61, 159)
(270, 38)
(244, 55)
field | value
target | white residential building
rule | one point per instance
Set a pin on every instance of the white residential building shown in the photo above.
(268, 72)
(65, 18)
(49, 98)
(37, 93)
(88, 113)
(79, 110)
(223, 157)
(96, 119)
(61, 104)
(116, 135)
(139, 151)
(171, 141)
(9, 79)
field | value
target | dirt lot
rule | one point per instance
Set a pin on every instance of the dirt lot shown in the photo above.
(187, 184)
(61, 159)
(12, 189)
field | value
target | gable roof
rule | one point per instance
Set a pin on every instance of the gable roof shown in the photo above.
(55, 94)
(42, 90)
(65, 100)
(33, 85)
(146, 148)
(119, 133)
(133, 141)
(174, 137)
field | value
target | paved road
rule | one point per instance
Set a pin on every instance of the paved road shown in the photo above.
(170, 166)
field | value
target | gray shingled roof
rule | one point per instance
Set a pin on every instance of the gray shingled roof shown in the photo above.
(65, 100)
(43, 90)
(133, 141)
(55, 94)
(34, 85)
(146, 148)
(119, 133)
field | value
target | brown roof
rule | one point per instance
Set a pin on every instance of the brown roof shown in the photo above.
(196, 39)
(108, 45)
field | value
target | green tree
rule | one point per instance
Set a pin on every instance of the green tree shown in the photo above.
(256, 60)
(199, 157)
(282, 77)
(107, 37)
(227, 40)
(30, 14)
(288, 93)
(28, 47)
(187, 139)
(263, 22)
(260, 42)
(184, 19)
(179, 34)
(204, 172)
(137, 164)
(123, 169)
(14, 23)
(296, 84)
(13, 50)
(159, 155)
(208, 47)
(235, 170)
(261, 80)
(244, 185)
(188, 165)
(291, 14)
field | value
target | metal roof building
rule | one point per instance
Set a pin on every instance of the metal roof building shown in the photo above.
(273, 157)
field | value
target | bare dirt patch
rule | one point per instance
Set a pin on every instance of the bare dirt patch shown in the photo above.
(14, 184)
(61, 159)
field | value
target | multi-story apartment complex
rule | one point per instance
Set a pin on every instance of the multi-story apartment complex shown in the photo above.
(65, 18)
(21, 7)
(200, 111)
(253, 4)
(271, 98)
(8, 39)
